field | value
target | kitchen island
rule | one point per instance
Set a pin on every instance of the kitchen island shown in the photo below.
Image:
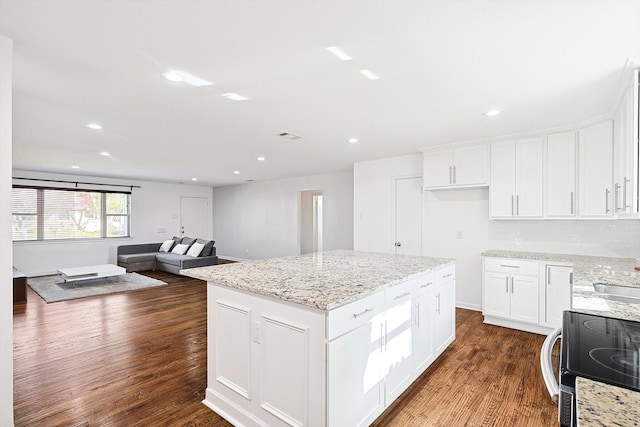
(325, 339)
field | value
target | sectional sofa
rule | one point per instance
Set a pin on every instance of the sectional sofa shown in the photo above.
(170, 255)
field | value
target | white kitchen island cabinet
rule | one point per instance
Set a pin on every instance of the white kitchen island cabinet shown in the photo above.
(326, 339)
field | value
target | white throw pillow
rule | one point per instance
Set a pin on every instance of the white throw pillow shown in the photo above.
(166, 246)
(195, 249)
(180, 249)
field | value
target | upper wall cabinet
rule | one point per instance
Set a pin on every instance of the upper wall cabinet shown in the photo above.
(561, 175)
(595, 171)
(516, 184)
(458, 167)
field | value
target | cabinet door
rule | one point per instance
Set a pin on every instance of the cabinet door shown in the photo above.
(438, 169)
(595, 171)
(557, 294)
(445, 315)
(561, 175)
(423, 315)
(496, 294)
(502, 185)
(354, 380)
(528, 203)
(470, 165)
(398, 362)
(524, 298)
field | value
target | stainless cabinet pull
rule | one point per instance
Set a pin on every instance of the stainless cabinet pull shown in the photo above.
(517, 205)
(424, 285)
(616, 197)
(507, 284)
(511, 284)
(366, 310)
(606, 199)
(572, 208)
(510, 266)
(438, 303)
(454, 174)
(512, 206)
(450, 174)
(402, 296)
(571, 278)
(447, 275)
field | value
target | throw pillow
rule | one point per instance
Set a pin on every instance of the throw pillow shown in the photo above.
(195, 249)
(180, 249)
(166, 246)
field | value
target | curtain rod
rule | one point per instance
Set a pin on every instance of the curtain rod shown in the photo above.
(78, 182)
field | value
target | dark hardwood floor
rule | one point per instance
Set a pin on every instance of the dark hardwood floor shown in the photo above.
(139, 359)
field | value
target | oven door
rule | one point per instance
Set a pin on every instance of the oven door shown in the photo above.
(546, 365)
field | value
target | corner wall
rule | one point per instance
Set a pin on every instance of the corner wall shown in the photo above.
(261, 219)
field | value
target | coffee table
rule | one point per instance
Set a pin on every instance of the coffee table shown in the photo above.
(90, 272)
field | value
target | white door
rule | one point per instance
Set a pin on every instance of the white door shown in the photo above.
(423, 331)
(408, 216)
(529, 178)
(502, 187)
(558, 293)
(437, 170)
(561, 175)
(470, 167)
(595, 171)
(445, 315)
(524, 298)
(496, 294)
(194, 217)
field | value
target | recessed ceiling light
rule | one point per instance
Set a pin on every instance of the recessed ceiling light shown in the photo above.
(94, 126)
(194, 179)
(492, 113)
(234, 96)
(369, 74)
(352, 140)
(341, 54)
(104, 153)
(181, 76)
(261, 159)
(236, 172)
(75, 167)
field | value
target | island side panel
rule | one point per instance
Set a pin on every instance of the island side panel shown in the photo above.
(266, 360)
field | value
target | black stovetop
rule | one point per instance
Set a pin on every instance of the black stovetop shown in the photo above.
(601, 348)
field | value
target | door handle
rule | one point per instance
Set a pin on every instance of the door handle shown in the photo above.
(398, 244)
(606, 200)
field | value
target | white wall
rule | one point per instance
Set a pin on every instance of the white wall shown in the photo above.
(6, 279)
(261, 219)
(447, 212)
(153, 206)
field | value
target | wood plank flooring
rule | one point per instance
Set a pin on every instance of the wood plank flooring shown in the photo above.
(139, 359)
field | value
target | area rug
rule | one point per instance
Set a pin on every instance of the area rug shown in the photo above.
(53, 288)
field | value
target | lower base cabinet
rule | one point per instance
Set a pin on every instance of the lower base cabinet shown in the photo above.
(277, 364)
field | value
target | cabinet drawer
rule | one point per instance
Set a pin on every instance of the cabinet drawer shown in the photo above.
(424, 283)
(401, 292)
(350, 316)
(445, 274)
(511, 266)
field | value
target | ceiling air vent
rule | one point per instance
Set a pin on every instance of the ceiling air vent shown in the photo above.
(289, 135)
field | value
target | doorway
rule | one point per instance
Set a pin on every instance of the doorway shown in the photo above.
(408, 216)
(311, 221)
(194, 217)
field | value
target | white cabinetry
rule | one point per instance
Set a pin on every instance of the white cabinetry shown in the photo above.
(595, 171)
(557, 293)
(458, 167)
(445, 310)
(511, 289)
(424, 304)
(561, 175)
(516, 183)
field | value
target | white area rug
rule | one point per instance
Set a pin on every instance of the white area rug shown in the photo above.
(53, 288)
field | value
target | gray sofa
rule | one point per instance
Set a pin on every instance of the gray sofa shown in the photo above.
(147, 256)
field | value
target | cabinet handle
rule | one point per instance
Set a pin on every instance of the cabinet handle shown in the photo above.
(366, 310)
(624, 193)
(517, 205)
(447, 275)
(512, 206)
(450, 174)
(402, 296)
(510, 266)
(571, 278)
(424, 285)
(454, 174)
(507, 284)
(438, 303)
(572, 208)
(511, 284)
(606, 200)
(616, 197)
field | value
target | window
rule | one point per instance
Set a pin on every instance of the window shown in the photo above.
(62, 214)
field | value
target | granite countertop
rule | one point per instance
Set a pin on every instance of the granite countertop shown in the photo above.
(598, 404)
(604, 405)
(324, 280)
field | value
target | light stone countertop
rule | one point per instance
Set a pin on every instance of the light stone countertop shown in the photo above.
(603, 405)
(324, 280)
(598, 404)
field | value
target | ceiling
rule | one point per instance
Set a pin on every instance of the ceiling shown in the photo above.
(441, 65)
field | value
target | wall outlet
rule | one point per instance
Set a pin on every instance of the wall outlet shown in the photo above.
(255, 331)
(459, 235)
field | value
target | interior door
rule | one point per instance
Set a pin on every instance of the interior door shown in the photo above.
(408, 216)
(194, 217)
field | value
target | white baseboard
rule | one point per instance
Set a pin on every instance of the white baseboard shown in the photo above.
(232, 258)
(474, 307)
